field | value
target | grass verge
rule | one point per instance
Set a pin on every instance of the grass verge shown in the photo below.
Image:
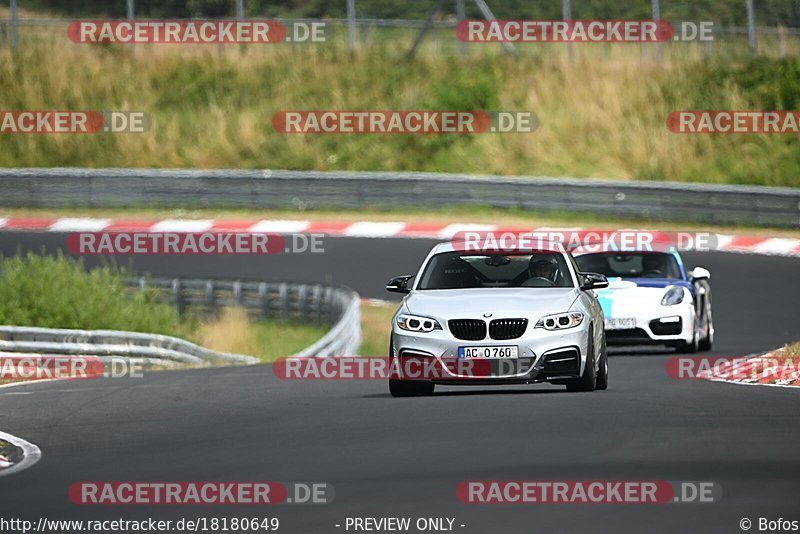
(792, 350)
(233, 331)
(58, 292)
(376, 326)
(602, 114)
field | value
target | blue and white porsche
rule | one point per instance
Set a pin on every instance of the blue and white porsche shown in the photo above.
(651, 299)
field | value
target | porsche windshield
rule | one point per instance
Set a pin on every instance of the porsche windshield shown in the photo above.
(457, 270)
(631, 265)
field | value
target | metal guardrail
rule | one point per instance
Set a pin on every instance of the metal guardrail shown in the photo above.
(305, 303)
(668, 201)
(152, 349)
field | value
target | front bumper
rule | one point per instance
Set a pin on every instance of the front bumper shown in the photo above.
(543, 355)
(654, 325)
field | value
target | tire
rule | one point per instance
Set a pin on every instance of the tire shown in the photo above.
(410, 388)
(601, 382)
(587, 381)
(707, 342)
(692, 346)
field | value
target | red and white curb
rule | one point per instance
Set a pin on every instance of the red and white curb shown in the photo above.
(749, 244)
(770, 369)
(30, 455)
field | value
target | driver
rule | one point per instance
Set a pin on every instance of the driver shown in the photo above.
(651, 265)
(541, 268)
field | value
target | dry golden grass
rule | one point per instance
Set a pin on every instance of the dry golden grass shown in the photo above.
(792, 350)
(601, 115)
(376, 326)
(234, 332)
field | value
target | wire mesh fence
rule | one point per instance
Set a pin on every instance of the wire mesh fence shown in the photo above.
(770, 27)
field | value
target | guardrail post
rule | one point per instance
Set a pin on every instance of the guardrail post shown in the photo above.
(326, 299)
(211, 297)
(283, 301)
(237, 293)
(263, 299)
(302, 302)
(177, 296)
(316, 304)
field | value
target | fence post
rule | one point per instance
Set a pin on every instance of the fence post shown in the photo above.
(566, 14)
(656, 9)
(461, 14)
(131, 14)
(14, 25)
(351, 24)
(751, 26)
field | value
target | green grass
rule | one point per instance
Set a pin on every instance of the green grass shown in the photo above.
(376, 326)
(58, 292)
(601, 115)
(281, 339)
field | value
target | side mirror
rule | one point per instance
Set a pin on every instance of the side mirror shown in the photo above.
(699, 273)
(399, 284)
(593, 281)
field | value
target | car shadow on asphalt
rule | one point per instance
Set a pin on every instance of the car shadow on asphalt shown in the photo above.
(643, 351)
(470, 392)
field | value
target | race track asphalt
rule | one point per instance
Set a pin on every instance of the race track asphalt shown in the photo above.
(404, 457)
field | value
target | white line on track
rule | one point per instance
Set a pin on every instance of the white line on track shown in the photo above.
(30, 454)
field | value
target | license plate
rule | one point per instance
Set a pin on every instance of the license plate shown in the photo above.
(620, 324)
(503, 353)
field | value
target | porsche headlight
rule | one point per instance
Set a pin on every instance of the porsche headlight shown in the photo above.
(560, 321)
(673, 296)
(416, 323)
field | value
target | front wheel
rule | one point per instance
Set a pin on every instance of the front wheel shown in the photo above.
(707, 342)
(602, 373)
(692, 346)
(588, 380)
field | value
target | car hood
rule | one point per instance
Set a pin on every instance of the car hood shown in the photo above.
(660, 283)
(500, 302)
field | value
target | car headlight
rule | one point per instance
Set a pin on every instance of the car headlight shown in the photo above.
(416, 323)
(673, 296)
(560, 321)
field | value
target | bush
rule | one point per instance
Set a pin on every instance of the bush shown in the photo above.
(58, 292)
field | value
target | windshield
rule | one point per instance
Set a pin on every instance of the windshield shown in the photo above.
(462, 270)
(632, 265)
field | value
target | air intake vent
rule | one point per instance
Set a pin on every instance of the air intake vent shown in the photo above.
(507, 328)
(468, 329)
